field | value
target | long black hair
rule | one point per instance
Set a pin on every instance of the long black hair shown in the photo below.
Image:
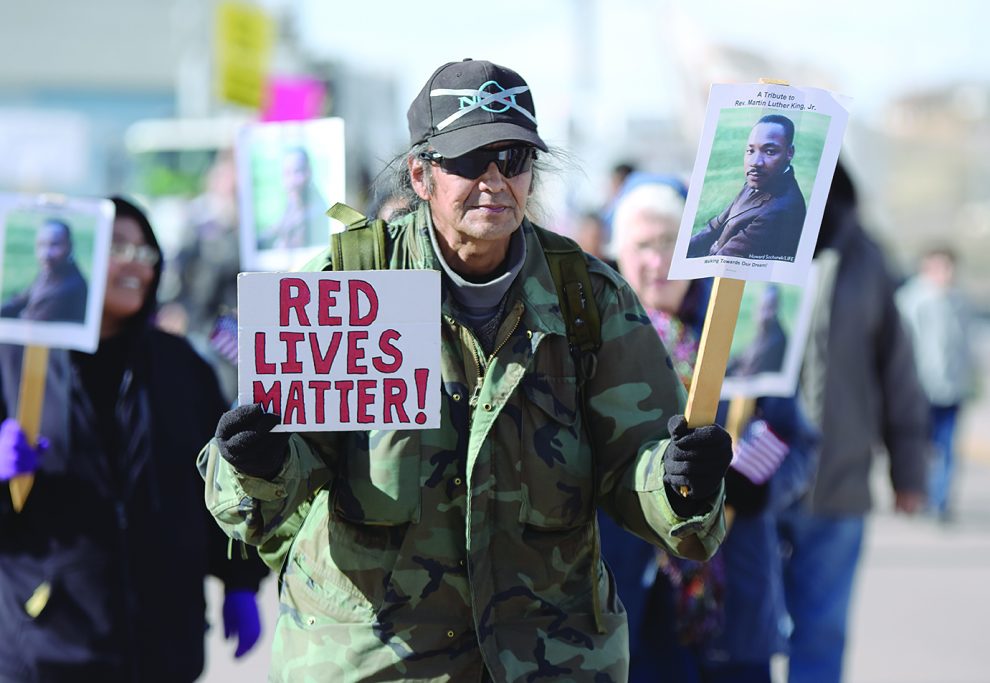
(126, 209)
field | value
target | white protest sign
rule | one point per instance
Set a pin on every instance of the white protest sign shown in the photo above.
(288, 175)
(341, 351)
(770, 338)
(758, 189)
(754, 207)
(53, 269)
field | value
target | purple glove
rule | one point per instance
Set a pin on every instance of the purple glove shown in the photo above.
(241, 619)
(17, 456)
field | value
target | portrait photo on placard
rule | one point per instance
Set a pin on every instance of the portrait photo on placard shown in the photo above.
(289, 173)
(759, 184)
(53, 272)
(769, 340)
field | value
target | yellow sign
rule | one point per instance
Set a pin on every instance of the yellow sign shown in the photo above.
(245, 34)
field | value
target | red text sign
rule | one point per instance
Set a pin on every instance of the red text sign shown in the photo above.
(343, 350)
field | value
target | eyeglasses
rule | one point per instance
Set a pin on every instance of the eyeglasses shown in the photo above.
(125, 252)
(510, 161)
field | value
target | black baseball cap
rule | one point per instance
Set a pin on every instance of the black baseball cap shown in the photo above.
(469, 104)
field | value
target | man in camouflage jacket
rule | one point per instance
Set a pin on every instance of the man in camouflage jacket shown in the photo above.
(470, 552)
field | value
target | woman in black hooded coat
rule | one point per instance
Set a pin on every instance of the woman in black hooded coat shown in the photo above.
(101, 573)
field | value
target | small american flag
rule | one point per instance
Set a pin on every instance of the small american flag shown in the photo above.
(223, 338)
(758, 454)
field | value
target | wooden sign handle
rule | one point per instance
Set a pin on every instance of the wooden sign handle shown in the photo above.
(713, 354)
(30, 399)
(740, 409)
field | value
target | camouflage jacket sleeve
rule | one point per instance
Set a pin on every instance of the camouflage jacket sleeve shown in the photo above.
(632, 394)
(250, 509)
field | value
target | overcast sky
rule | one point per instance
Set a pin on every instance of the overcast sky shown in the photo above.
(873, 48)
(607, 66)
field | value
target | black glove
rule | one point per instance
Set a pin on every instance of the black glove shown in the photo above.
(695, 460)
(246, 440)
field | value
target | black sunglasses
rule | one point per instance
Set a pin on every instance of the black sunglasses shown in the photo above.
(510, 161)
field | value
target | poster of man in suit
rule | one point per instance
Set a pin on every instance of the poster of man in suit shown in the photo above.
(289, 173)
(54, 252)
(764, 166)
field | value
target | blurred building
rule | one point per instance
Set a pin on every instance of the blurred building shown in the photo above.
(74, 77)
(79, 75)
(933, 177)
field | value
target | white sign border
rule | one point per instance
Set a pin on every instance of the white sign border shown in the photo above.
(415, 304)
(785, 382)
(329, 133)
(726, 96)
(83, 336)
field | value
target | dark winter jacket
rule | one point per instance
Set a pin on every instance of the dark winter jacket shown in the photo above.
(114, 531)
(858, 380)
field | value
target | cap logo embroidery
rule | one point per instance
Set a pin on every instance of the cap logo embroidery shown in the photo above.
(469, 100)
(507, 102)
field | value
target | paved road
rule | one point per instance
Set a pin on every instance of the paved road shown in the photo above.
(923, 595)
(923, 598)
(221, 667)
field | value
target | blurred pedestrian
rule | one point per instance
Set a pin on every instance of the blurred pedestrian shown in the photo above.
(392, 195)
(203, 278)
(860, 387)
(590, 234)
(938, 317)
(715, 621)
(101, 573)
(618, 176)
(470, 552)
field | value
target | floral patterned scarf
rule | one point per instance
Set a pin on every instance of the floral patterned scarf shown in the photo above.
(681, 343)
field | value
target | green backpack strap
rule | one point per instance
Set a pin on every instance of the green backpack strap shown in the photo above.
(577, 300)
(569, 270)
(362, 245)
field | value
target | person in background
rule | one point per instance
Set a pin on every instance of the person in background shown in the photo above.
(392, 196)
(101, 572)
(200, 283)
(618, 175)
(717, 621)
(617, 178)
(590, 234)
(59, 291)
(938, 316)
(470, 552)
(860, 388)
